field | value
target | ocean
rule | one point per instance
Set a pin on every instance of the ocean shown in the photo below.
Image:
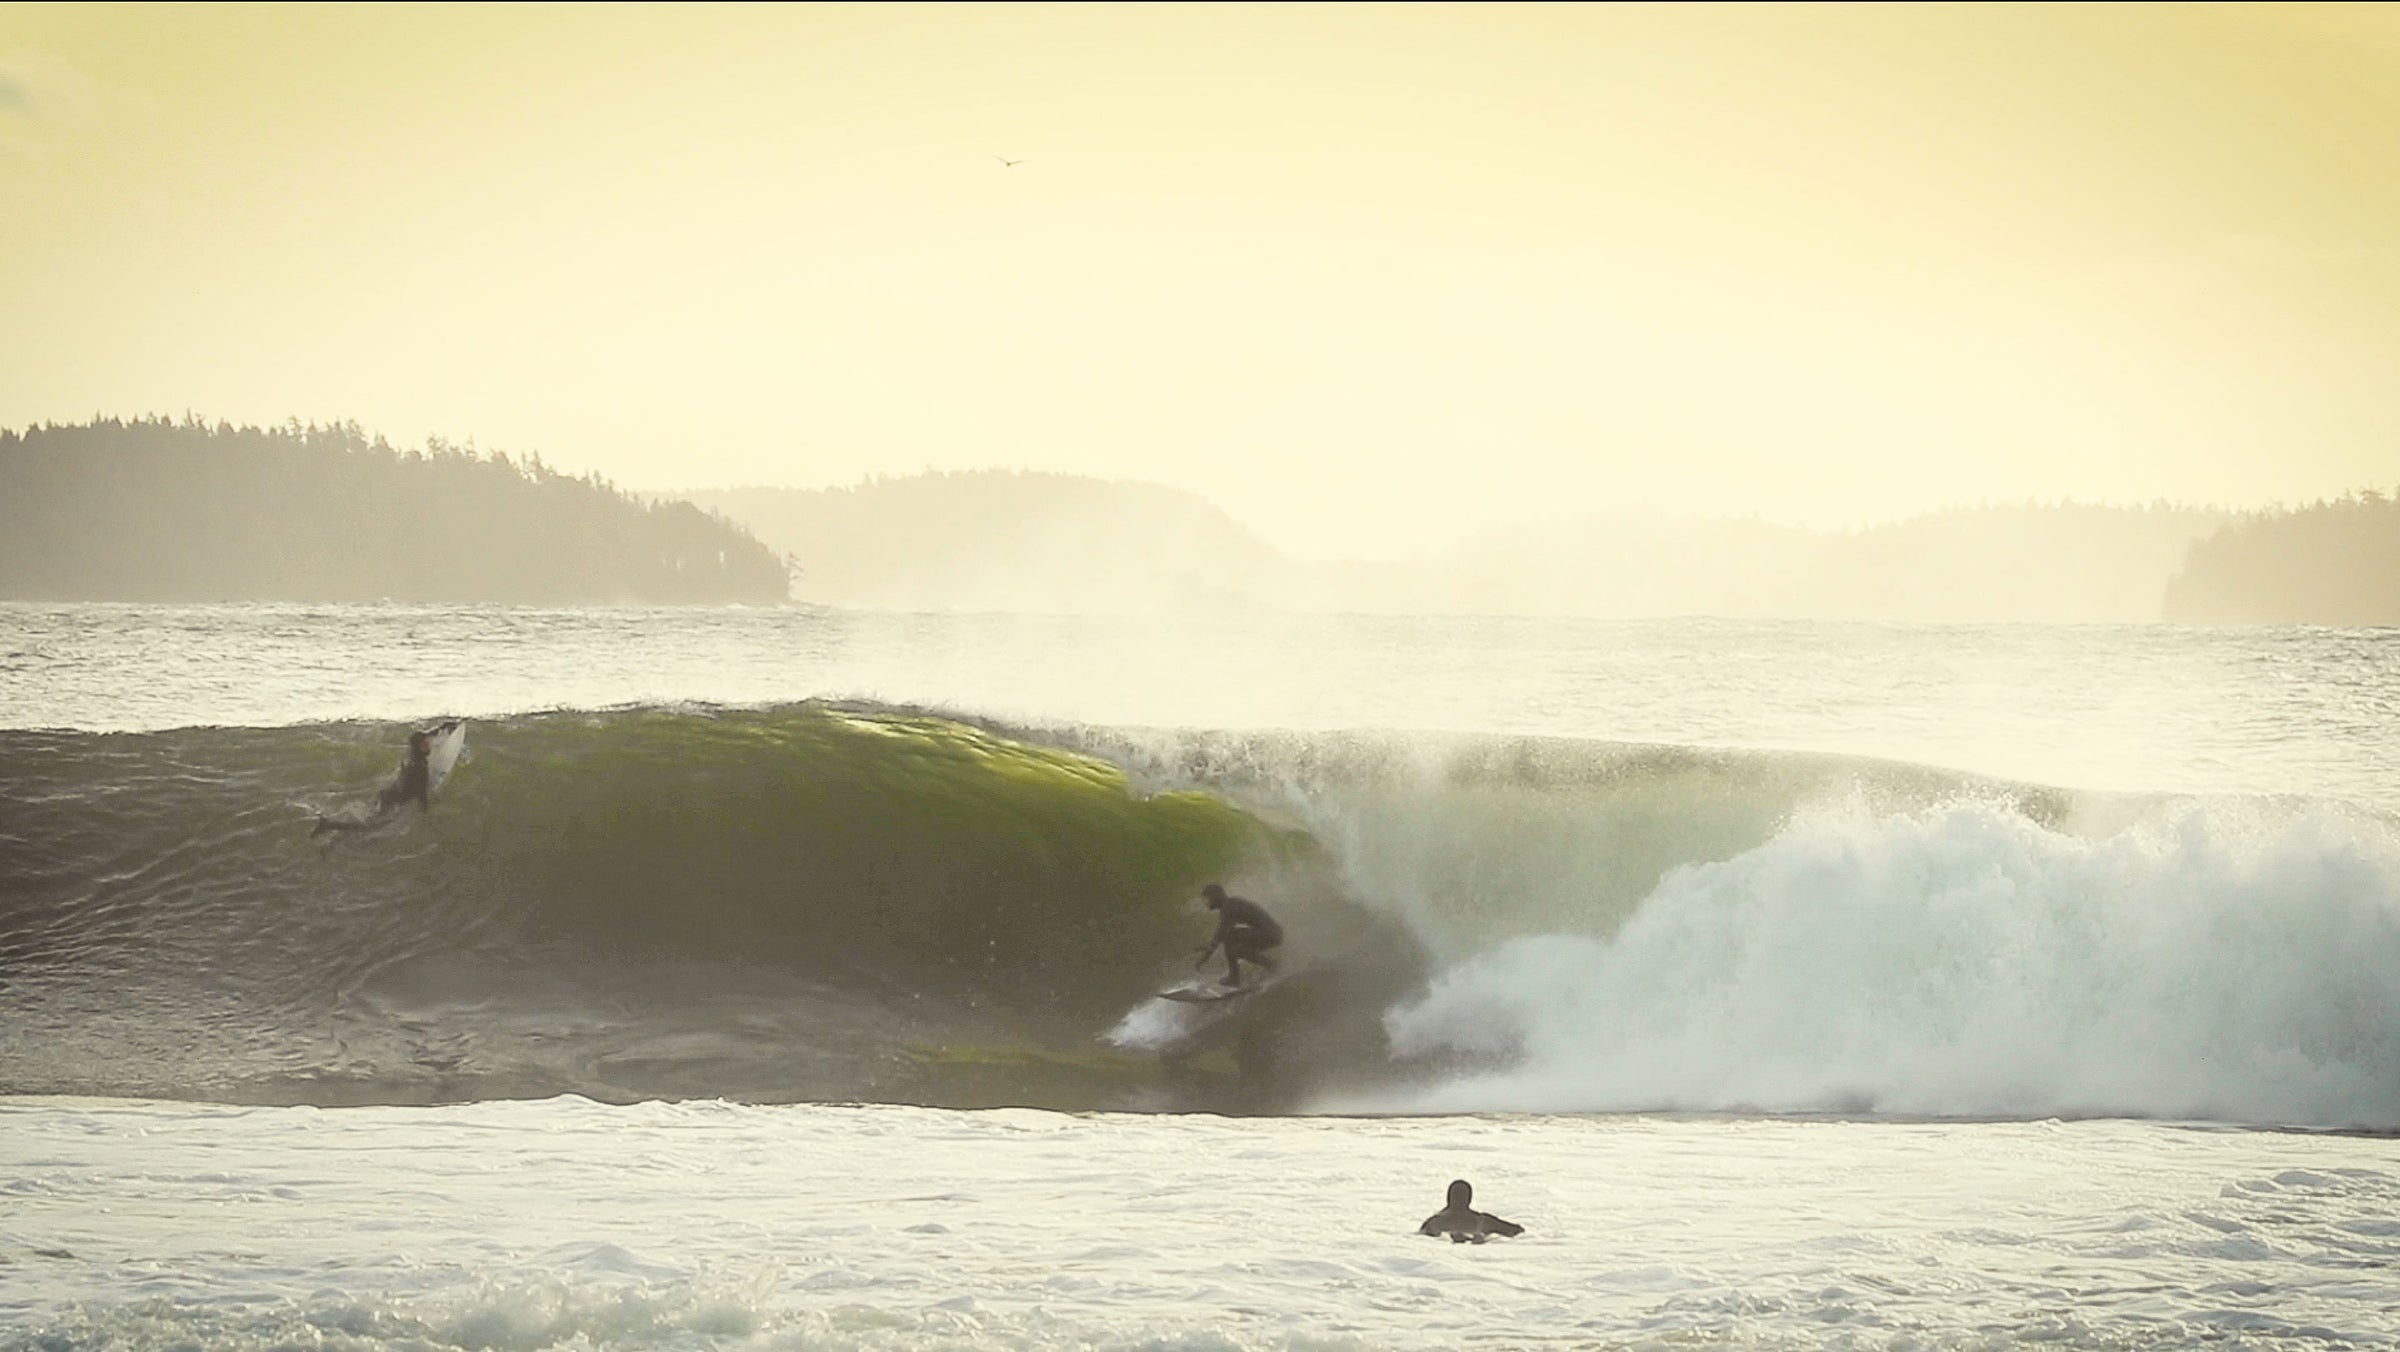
(786, 978)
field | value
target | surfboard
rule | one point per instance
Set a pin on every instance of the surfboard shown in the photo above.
(448, 741)
(1212, 992)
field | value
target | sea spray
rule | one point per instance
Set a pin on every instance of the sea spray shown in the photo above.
(1469, 840)
(2221, 960)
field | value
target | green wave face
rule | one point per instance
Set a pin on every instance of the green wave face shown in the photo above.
(850, 841)
(913, 848)
(815, 901)
(782, 899)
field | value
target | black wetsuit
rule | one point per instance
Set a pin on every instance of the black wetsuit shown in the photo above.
(1463, 1223)
(414, 782)
(1245, 931)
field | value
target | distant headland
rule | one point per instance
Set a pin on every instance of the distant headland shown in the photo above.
(158, 510)
(2333, 563)
(1035, 542)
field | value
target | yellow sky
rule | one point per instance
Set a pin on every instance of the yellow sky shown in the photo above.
(1363, 275)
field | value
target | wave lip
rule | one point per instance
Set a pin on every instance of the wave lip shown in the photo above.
(2219, 962)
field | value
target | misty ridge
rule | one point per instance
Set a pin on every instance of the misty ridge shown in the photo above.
(999, 540)
(1055, 543)
(159, 510)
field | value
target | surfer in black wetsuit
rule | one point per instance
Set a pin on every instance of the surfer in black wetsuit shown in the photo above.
(1244, 930)
(415, 780)
(414, 784)
(1463, 1223)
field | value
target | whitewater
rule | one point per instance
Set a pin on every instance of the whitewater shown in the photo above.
(782, 977)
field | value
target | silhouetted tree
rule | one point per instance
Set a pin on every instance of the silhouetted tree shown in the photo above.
(2335, 563)
(158, 510)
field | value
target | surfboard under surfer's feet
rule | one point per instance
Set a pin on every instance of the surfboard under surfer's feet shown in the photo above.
(1208, 992)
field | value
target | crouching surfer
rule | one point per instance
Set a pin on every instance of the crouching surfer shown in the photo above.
(414, 783)
(1244, 930)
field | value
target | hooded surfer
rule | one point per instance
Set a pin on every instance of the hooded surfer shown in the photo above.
(1244, 930)
(1462, 1223)
(414, 783)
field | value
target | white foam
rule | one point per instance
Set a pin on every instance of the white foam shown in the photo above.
(585, 1227)
(2213, 963)
(1150, 1025)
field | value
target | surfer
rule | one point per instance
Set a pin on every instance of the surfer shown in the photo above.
(1244, 930)
(414, 783)
(1463, 1223)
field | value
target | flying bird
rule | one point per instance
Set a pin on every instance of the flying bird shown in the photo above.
(1006, 162)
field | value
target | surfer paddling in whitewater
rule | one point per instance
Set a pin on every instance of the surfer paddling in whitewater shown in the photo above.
(414, 783)
(1244, 930)
(1462, 1222)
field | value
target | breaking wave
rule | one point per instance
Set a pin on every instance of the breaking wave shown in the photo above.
(753, 902)
(840, 901)
(2210, 963)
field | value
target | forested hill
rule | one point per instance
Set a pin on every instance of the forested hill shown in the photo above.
(154, 510)
(2334, 563)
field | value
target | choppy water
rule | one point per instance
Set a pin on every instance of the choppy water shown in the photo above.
(2151, 708)
(1845, 916)
(568, 1224)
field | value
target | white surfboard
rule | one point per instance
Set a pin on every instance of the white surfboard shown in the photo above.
(1209, 993)
(448, 740)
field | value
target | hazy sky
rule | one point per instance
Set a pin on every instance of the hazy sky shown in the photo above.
(1363, 275)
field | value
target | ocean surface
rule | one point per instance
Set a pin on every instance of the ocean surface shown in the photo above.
(786, 978)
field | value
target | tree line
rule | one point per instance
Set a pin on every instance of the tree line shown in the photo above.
(153, 509)
(2332, 563)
